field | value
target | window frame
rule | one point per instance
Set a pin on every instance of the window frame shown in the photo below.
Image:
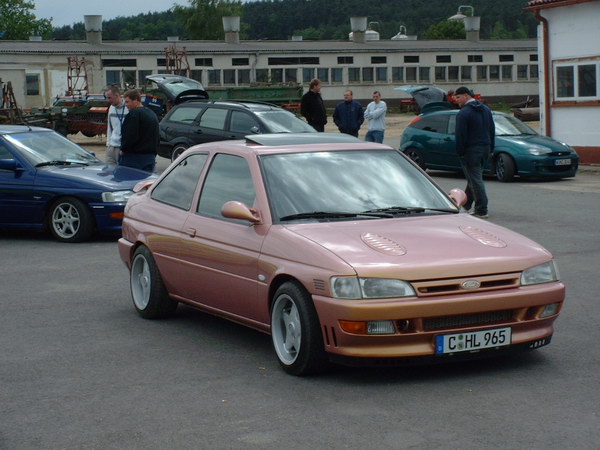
(575, 65)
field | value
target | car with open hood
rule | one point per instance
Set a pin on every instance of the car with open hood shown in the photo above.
(341, 250)
(48, 182)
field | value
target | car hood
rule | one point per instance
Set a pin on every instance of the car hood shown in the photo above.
(424, 94)
(427, 247)
(107, 177)
(537, 139)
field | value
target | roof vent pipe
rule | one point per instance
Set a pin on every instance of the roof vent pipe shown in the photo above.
(93, 29)
(472, 27)
(359, 28)
(231, 26)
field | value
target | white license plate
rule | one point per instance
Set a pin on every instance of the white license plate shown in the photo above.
(562, 162)
(472, 340)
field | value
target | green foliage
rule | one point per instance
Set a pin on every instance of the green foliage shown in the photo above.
(202, 19)
(454, 29)
(17, 22)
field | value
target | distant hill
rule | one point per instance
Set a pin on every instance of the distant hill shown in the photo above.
(328, 19)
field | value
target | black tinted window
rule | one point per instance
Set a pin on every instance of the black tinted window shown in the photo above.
(177, 188)
(243, 123)
(228, 179)
(435, 124)
(214, 118)
(184, 114)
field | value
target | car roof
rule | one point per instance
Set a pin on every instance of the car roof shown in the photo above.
(242, 104)
(14, 129)
(440, 111)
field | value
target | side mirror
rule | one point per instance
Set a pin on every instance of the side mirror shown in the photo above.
(10, 164)
(143, 185)
(255, 130)
(458, 196)
(237, 210)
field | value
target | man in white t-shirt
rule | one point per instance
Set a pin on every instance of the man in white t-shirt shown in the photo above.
(375, 114)
(116, 115)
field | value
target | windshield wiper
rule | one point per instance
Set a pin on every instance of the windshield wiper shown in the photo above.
(60, 163)
(408, 210)
(333, 215)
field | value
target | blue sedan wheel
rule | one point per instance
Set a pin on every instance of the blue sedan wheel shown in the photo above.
(70, 220)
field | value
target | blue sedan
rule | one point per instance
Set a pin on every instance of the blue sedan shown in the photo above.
(429, 141)
(49, 182)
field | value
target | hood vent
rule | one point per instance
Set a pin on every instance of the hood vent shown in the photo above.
(383, 244)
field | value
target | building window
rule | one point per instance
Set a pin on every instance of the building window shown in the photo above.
(453, 73)
(276, 76)
(507, 73)
(291, 75)
(522, 71)
(161, 62)
(381, 74)
(203, 62)
(240, 61)
(474, 58)
(533, 72)
(113, 77)
(229, 76)
(378, 59)
(353, 75)
(465, 73)
(323, 75)
(494, 72)
(482, 73)
(398, 74)
(337, 75)
(506, 58)
(577, 81)
(196, 75)
(411, 74)
(32, 82)
(443, 58)
(119, 62)
(411, 59)
(308, 74)
(533, 57)
(424, 74)
(345, 59)
(243, 76)
(293, 61)
(262, 75)
(214, 77)
(142, 74)
(367, 74)
(440, 73)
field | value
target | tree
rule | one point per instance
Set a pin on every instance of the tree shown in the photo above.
(202, 19)
(449, 29)
(17, 22)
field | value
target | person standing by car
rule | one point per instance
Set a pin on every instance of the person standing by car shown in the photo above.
(375, 114)
(116, 114)
(312, 107)
(475, 136)
(349, 115)
(139, 134)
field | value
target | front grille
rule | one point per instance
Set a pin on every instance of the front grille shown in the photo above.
(464, 320)
(457, 286)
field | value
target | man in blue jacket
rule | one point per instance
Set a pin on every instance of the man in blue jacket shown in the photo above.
(475, 136)
(348, 115)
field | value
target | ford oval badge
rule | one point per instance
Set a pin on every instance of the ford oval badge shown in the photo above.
(470, 284)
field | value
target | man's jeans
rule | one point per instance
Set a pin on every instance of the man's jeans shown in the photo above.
(374, 136)
(473, 163)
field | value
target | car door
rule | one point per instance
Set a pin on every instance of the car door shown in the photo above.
(212, 124)
(181, 125)
(222, 254)
(447, 156)
(440, 142)
(242, 124)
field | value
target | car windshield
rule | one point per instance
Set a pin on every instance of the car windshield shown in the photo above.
(510, 126)
(284, 122)
(179, 86)
(337, 184)
(42, 148)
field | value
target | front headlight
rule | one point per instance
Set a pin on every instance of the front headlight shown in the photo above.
(544, 273)
(116, 197)
(538, 150)
(357, 288)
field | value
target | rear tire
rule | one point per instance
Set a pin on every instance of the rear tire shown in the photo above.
(177, 150)
(149, 294)
(296, 331)
(505, 168)
(416, 156)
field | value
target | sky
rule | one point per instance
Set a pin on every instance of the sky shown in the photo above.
(68, 12)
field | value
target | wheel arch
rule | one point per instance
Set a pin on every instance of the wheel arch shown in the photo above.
(51, 201)
(279, 280)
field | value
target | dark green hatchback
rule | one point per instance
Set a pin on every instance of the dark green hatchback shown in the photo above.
(429, 141)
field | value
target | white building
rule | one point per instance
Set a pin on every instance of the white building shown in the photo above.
(569, 48)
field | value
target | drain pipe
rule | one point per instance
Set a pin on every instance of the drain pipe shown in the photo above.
(547, 69)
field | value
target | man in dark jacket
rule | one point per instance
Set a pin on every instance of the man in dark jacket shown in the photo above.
(139, 134)
(349, 115)
(312, 107)
(475, 138)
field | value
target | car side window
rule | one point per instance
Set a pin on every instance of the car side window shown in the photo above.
(243, 123)
(214, 118)
(452, 124)
(178, 186)
(184, 114)
(228, 179)
(435, 123)
(4, 153)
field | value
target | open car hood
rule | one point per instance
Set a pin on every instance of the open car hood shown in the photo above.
(178, 89)
(424, 94)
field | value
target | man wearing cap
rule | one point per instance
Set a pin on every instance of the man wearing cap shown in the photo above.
(475, 135)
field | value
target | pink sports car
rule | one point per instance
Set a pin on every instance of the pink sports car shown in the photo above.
(341, 250)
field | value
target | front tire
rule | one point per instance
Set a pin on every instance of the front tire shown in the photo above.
(505, 168)
(150, 296)
(296, 331)
(416, 156)
(70, 220)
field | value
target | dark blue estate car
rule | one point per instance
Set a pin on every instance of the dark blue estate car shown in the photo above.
(49, 182)
(429, 141)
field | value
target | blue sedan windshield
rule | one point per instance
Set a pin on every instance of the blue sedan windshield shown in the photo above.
(43, 147)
